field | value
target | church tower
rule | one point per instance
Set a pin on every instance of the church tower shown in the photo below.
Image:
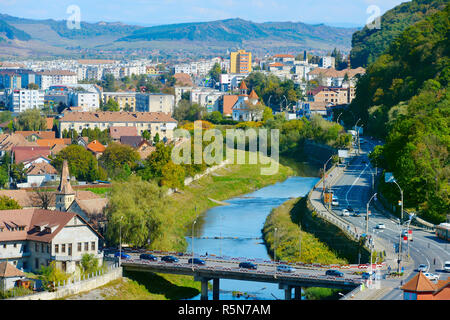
(243, 88)
(65, 194)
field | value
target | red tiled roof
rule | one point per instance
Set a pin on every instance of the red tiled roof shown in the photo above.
(276, 64)
(284, 56)
(117, 132)
(7, 270)
(50, 142)
(419, 283)
(96, 146)
(121, 116)
(243, 86)
(228, 102)
(41, 168)
(40, 134)
(22, 154)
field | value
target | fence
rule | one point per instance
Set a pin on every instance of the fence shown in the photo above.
(77, 285)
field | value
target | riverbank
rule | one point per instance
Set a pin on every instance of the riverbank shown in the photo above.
(230, 181)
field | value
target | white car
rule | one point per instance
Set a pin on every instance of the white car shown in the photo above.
(431, 276)
(345, 213)
(422, 267)
(447, 266)
(334, 203)
(380, 226)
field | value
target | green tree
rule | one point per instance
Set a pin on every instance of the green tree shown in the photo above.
(136, 210)
(116, 156)
(30, 120)
(173, 175)
(89, 263)
(82, 163)
(111, 105)
(7, 203)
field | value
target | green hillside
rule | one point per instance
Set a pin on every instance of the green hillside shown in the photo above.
(12, 33)
(405, 98)
(368, 44)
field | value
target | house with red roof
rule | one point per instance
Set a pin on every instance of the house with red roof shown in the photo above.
(422, 288)
(32, 238)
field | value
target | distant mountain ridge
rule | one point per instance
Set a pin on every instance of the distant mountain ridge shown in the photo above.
(52, 37)
(237, 30)
(13, 33)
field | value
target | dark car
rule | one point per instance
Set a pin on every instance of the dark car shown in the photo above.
(350, 209)
(169, 259)
(368, 275)
(356, 213)
(196, 261)
(147, 256)
(334, 273)
(248, 265)
(122, 255)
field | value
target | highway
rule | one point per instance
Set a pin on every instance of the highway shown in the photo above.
(354, 188)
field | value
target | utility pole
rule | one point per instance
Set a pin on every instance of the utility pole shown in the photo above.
(367, 213)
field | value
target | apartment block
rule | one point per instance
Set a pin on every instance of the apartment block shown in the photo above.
(155, 102)
(241, 62)
(126, 100)
(19, 100)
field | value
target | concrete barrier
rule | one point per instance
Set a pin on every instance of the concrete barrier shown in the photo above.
(76, 287)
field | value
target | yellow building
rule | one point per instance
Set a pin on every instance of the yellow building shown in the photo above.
(124, 99)
(241, 62)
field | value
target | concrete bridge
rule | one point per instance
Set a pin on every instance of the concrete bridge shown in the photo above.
(224, 269)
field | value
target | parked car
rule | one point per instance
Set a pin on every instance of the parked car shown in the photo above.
(169, 259)
(334, 203)
(334, 273)
(380, 226)
(447, 266)
(196, 261)
(368, 275)
(285, 268)
(147, 256)
(122, 255)
(248, 265)
(345, 213)
(431, 276)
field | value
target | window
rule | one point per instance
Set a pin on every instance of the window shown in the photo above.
(86, 246)
(63, 248)
(79, 246)
(93, 245)
(56, 248)
(36, 247)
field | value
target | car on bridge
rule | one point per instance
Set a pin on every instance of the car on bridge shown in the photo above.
(248, 265)
(345, 213)
(447, 266)
(368, 275)
(196, 261)
(285, 268)
(122, 255)
(147, 256)
(334, 273)
(350, 209)
(169, 259)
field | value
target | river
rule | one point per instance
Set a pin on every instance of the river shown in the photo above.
(241, 222)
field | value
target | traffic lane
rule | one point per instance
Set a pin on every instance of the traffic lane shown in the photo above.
(234, 265)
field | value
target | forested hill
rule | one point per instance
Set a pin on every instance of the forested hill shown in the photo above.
(368, 44)
(404, 97)
(12, 33)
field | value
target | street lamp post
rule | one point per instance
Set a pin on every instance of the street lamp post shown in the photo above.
(120, 241)
(324, 174)
(337, 120)
(357, 133)
(367, 213)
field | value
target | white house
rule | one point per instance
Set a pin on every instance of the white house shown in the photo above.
(241, 110)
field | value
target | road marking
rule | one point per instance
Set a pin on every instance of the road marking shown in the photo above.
(346, 195)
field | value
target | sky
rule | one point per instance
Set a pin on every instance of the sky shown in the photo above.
(346, 13)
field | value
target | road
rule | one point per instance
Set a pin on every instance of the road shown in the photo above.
(354, 189)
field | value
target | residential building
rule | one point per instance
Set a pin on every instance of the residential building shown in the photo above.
(26, 153)
(154, 122)
(335, 78)
(38, 174)
(310, 108)
(9, 275)
(206, 97)
(179, 91)
(241, 62)
(327, 62)
(19, 100)
(45, 79)
(229, 82)
(155, 102)
(126, 100)
(32, 238)
(242, 110)
(88, 101)
(96, 148)
(228, 101)
(333, 95)
(117, 132)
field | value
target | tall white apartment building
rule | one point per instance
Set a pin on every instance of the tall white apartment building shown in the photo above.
(19, 100)
(328, 62)
(47, 78)
(89, 101)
